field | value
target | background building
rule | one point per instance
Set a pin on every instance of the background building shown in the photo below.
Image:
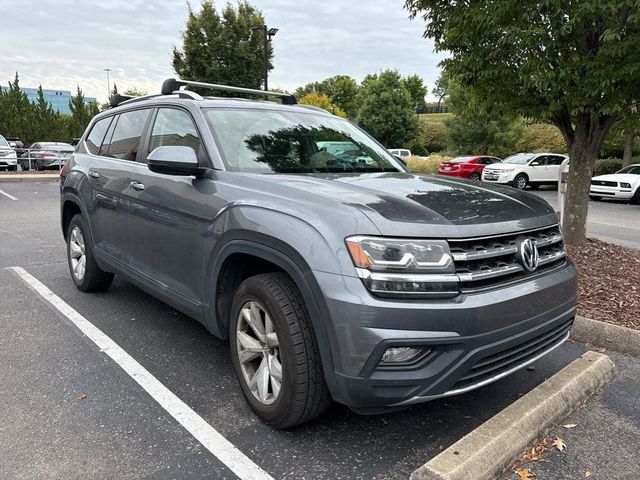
(58, 99)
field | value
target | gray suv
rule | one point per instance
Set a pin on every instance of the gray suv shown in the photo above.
(333, 272)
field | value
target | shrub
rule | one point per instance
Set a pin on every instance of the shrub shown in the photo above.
(541, 137)
(606, 166)
(428, 165)
(431, 137)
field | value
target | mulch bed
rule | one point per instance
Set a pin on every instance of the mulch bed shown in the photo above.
(608, 282)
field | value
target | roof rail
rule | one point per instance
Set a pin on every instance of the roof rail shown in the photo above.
(170, 86)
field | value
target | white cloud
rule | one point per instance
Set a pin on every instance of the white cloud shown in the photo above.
(64, 43)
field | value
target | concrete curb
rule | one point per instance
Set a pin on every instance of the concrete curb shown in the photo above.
(489, 449)
(30, 178)
(601, 334)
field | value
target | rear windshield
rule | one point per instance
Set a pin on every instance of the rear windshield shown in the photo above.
(275, 141)
(57, 146)
(461, 159)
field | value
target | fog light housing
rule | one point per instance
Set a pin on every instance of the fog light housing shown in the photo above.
(402, 354)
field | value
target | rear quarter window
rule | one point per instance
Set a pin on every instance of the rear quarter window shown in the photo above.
(96, 136)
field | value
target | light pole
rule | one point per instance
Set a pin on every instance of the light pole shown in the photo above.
(267, 33)
(108, 84)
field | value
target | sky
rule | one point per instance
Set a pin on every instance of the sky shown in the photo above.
(64, 43)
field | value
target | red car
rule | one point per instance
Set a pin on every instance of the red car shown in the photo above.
(467, 167)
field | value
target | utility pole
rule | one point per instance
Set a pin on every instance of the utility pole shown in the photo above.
(267, 33)
(108, 84)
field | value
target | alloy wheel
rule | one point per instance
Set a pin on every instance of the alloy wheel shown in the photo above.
(77, 253)
(258, 352)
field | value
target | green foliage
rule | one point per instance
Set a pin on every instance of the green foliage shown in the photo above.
(431, 137)
(540, 137)
(441, 88)
(606, 166)
(222, 48)
(322, 101)
(342, 91)
(81, 114)
(135, 92)
(478, 126)
(37, 121)
(416, 88)
(387, 110)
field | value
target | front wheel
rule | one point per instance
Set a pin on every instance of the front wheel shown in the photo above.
(520, 182)
(85, 272)
(274, 352)
(636, 197)
(595, 198)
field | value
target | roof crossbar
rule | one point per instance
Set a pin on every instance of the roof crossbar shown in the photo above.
(170, 86)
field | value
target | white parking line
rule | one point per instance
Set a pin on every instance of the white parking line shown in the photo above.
(208, 436)
(7, 195)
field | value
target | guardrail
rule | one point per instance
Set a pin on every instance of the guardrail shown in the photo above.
(42, 158)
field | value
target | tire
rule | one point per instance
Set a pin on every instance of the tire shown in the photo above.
(520, 182)
(84, 270)
(13, 168)
(595, 198)
(475, 176)
(636, 197)
(302, 393)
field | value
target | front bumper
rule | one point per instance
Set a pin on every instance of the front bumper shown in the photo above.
(612, 192)
(475, 338)
(505, 177)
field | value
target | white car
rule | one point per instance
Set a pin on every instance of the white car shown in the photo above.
(525, 169)
(8, 157)
(400, 152)
(624, 184)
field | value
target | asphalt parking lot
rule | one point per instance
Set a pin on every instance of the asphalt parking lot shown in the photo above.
(47, 367)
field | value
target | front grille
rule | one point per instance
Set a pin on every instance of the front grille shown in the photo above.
(488, 262)
(604, 183)
(510, 358)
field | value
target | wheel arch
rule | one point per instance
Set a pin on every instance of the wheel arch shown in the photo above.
(277, 255)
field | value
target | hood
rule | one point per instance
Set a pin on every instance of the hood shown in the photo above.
(407, 204)
(503, 166)
(618, 177)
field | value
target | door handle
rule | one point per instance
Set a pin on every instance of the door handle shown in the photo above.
(137, 186)
(94, 174)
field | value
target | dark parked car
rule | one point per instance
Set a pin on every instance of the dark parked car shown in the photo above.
(467, 167)
(353, 281)
(46, 155)
(16, 144)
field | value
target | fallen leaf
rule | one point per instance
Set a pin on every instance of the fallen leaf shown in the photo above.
(570, 425)
(524, 473)
(587, 474)
(80, 397)
(559, 444)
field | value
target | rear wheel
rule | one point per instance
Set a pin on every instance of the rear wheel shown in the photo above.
(475, 176)
(274, 352)
(85, 272)
(521, 181)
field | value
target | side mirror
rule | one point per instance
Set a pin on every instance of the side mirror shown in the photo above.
(534, 164)
(401, 160)
(173, 160)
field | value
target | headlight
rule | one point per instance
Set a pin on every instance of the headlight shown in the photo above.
(404, 267)
(625, 185)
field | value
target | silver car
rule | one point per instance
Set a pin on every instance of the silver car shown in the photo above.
(45, 155)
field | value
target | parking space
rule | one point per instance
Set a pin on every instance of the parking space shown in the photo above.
(45, 363)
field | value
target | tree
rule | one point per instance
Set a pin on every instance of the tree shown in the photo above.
(81, 114)
(322, 101)
(342, 91)
(565, 63)
(135, 92)
(222, 48)
(441, 89)
(16, 112)
(387, 111)
(416, 88)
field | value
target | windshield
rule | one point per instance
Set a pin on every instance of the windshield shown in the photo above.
(275, 141)
(519, 158)
(3, 142)
(631, 169)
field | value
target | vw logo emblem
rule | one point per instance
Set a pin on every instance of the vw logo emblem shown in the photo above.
(528, 253)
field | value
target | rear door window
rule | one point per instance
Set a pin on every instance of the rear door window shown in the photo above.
(127, 133)
(96, 136)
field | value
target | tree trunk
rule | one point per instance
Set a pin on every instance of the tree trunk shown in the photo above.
(584, 144)
(628, 148)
